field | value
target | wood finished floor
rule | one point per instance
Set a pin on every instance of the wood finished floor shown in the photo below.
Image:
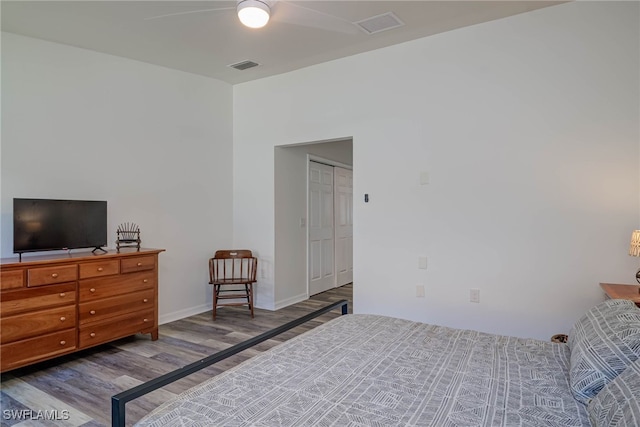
(79, 387)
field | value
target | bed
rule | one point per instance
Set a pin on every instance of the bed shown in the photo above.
(369, 370)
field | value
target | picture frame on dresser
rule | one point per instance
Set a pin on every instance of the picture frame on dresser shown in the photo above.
(54, 305)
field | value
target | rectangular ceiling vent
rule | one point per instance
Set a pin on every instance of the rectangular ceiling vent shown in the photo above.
(379, 23)
(244, 65)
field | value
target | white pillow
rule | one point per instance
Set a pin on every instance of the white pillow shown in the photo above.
(618, 403)
(603, 343)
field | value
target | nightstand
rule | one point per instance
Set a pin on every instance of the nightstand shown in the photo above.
(615, 291)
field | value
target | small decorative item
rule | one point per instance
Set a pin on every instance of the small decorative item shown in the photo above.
(128, 236)
(634, 249)
(561, 338)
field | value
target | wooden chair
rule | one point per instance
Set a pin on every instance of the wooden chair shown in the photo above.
(232, 267)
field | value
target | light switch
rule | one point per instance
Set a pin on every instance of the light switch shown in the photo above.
(424, 178)
(422, 262)
(303, 222)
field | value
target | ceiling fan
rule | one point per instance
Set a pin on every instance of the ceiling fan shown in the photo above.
(257, 13)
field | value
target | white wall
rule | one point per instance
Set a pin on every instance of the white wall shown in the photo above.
(290, 272)
(529, 129)
(155, 143)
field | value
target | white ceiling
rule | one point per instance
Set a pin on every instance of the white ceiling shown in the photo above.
(207, 42)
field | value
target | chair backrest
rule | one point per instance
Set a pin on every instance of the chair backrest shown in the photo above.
(233, 266)
(238, 253)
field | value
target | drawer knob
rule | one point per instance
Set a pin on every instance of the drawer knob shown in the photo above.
(62, 319)
(145, 280)
(100, 268)
(63, 342)
(92, 312)
(92, 290)
(92, 334)
(62, 294)
(145, 320)
(145, 300)
(139, 264)
(54, 275)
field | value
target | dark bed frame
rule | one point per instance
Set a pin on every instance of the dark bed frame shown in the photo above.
(119, 401)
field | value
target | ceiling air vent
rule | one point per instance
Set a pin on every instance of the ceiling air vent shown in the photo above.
(244, 65)
(379, 23)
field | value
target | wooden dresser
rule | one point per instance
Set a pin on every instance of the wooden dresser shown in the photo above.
(55, 305)
(616, 291)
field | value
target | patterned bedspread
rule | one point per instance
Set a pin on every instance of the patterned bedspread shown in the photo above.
(366, 370)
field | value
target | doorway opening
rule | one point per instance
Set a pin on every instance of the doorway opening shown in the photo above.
(292, 216)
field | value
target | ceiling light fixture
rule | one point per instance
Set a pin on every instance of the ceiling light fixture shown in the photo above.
(253, 13)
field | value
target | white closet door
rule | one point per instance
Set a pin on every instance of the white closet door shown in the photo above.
(343, 179)
(321, 229)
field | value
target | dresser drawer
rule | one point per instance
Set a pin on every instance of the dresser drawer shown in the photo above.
(51, 275)
(29, 299)
(92, 289)
(27, 325)
(31, 350)
(97, 310)
(99, 268)
(139, 263)
(11, 279)
(122, 326)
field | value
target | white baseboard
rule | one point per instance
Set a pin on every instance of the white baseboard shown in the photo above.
(181, 314)
(289, 301)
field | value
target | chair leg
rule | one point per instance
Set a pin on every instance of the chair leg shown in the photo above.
(250, 292)
(215, 299)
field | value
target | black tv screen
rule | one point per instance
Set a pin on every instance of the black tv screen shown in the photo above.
(46, 225)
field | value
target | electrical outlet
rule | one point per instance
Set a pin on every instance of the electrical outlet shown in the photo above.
(474, 295)
(420, 291)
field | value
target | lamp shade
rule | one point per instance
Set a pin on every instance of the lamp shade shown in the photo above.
(634, 247)
(253, 13)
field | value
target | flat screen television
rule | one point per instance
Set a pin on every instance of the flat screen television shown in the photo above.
(47, 225)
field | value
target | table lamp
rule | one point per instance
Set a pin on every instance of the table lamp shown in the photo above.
(634, 249)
